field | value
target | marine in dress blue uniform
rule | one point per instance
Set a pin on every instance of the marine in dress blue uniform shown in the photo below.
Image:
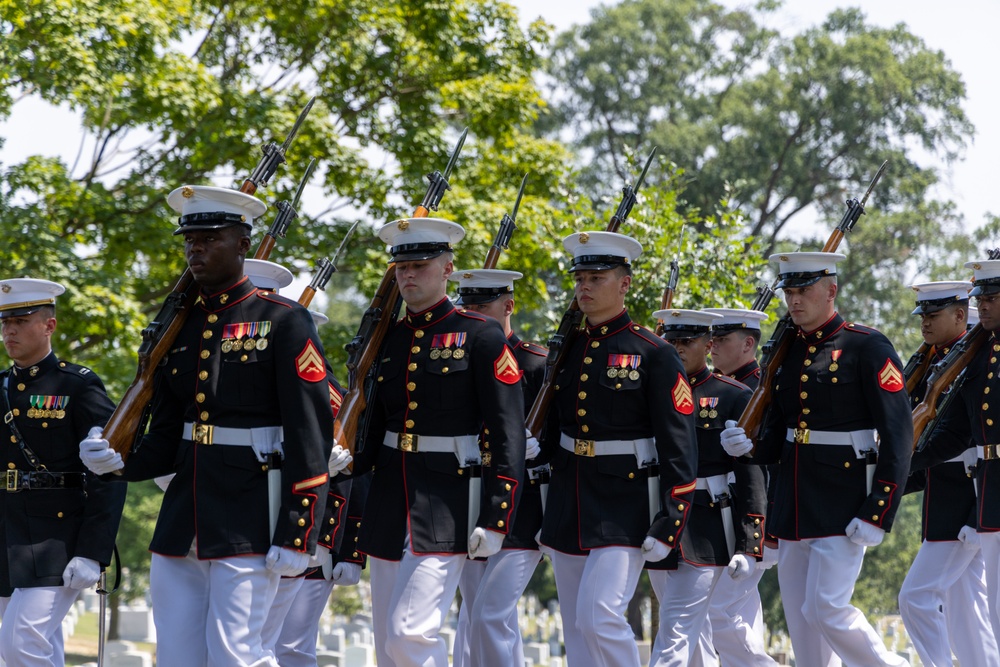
(243, 389)
(445, 377)
(973, 415)
(488, 632)
(622, 406)
(943, 600)
(735, 632)
(58, 522)
(839, 383)
(726, 527)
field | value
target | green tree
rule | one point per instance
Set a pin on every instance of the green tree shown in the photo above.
(790, 122)
(171, 92)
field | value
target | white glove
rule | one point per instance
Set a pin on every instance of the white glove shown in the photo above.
(97, 455)
(770, 558)
(339, 458)
(163, 481)
(81, 573)
(484, 543)
(864, 534)
(531, 446)
(969, 538)
(654, 550)
(321, 556)
(735, 440)
(741, 567)
(286, 562)
(346, 574)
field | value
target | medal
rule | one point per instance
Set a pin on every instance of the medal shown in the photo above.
(31, 413)
(834, 366)
(703, 414)
(60, 414)
(250, 345)
(633, 375)
(446, 353)
(227, 345)
(262, 344)
(237, 345)
(612, 373)
(713, 414)
(623, 373)
(435, 353)
(458, 354)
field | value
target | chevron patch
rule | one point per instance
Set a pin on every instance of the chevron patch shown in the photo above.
(309, 364)
(681, 393)
(890, 378)
(335, 399)
(505, 368)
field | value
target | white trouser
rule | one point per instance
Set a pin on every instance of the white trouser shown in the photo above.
(943, 593)
(288, 589)
(594, 591)
(684, 598)
(468, 585)
(736, 626)
(211, 612)
(817, 579)
(31, 632)
(991, 561)
(296, 645)
(496, 636)
(410, 601)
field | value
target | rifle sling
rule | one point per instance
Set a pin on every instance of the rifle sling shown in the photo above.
(8, 418)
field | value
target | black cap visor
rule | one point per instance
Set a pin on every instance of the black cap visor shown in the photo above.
(597, 262)
(801, 278)
(934, 305)
(476, 296)
(415, 252)
(204, 222)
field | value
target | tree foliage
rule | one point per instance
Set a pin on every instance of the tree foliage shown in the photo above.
(788, 122)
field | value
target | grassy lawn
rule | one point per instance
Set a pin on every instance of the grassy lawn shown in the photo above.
(81, 647)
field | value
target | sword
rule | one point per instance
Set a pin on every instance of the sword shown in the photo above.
(102, 608)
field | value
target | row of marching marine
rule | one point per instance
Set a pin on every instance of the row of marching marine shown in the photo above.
(638, 462)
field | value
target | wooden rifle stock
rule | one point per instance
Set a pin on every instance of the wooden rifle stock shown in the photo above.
(125, 424)
(776, 349)
(916, 367)
(943, 374)
(364, 355)
(365, 348)
(572, 320)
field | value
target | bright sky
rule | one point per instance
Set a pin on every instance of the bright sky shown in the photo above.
(965, 32)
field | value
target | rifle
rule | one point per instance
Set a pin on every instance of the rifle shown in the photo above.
(364, 350)
(324, 271)
(668, 291)
(949, 372)
(127, 424)
(569, 326)
(773, 352)
(506, 231)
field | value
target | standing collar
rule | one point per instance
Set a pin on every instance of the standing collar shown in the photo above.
(611, 327)
(940, 352)
(699, 376)
(831, 327)
(426, 318)
(228, 297)
(36, 370)
(745, 370)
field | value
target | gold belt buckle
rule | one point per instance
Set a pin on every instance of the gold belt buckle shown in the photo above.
(583, 448)
(990, 452)
(13, 480)
(202, 433)
(407, 442)
(801, 436)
